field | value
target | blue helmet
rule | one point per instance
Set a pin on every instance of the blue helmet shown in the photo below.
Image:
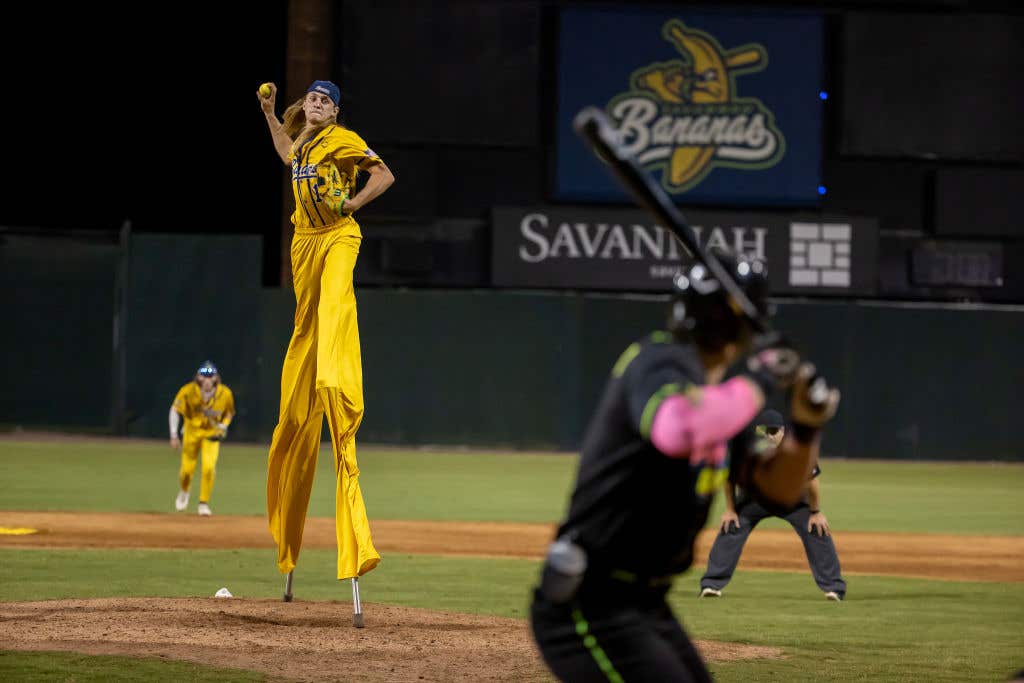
(207, 369)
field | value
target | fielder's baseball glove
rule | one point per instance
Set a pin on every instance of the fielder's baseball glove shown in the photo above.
(332, 187)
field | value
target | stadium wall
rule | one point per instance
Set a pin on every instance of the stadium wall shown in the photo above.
(502, 368)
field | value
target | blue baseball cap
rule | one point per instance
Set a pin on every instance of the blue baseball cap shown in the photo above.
(326, 88)
(207, 369)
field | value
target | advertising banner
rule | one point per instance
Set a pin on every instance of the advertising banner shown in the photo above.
(622, 249)
(720, 107)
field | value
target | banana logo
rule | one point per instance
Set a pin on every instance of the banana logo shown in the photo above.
(687, 112)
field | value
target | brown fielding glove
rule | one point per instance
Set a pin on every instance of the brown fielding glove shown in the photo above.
(773, 363)
(812, 403)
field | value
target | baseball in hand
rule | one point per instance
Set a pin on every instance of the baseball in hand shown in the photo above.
(265, 90)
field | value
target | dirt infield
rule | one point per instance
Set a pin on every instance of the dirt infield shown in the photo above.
(314, 641)
(305, 641)
(933, 556)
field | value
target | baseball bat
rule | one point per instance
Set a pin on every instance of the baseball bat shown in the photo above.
(593, 125)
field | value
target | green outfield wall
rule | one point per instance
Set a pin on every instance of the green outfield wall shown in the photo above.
(520, 369)
(57, 299)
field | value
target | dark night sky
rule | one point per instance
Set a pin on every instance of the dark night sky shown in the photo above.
(149, 115)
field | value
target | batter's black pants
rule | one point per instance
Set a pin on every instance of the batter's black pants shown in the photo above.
(725, 553)
(609, 636)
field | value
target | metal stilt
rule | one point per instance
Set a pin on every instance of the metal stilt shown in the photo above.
(357, 605)
(288, 587)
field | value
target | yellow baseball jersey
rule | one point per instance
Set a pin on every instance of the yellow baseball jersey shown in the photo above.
(324, 173)
(202, 417)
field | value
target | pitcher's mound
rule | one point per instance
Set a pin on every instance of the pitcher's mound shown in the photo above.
(306, 641)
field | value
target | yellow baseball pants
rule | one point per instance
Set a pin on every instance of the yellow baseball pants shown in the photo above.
(322, 376)
(191, 446)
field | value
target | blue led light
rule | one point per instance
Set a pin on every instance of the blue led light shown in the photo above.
(822, 190)
(822, 95)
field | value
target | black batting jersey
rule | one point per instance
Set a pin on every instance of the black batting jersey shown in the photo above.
(633, 508)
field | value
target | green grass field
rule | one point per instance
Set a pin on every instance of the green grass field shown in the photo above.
(136, 476)
(889, 629)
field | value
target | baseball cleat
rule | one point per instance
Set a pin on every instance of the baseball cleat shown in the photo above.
(288, 587)
(204, 510)
(835, 597)
(710, 593)
(181, 502)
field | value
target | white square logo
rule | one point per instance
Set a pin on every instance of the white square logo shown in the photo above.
(820, 254)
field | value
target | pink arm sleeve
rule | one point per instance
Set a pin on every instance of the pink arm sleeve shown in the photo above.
(681, 426)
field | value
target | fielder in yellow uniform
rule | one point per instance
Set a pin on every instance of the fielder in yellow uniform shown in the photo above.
(322, 373)
(207, 407)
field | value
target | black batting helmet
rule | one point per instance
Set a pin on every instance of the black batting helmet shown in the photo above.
(703, 311)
